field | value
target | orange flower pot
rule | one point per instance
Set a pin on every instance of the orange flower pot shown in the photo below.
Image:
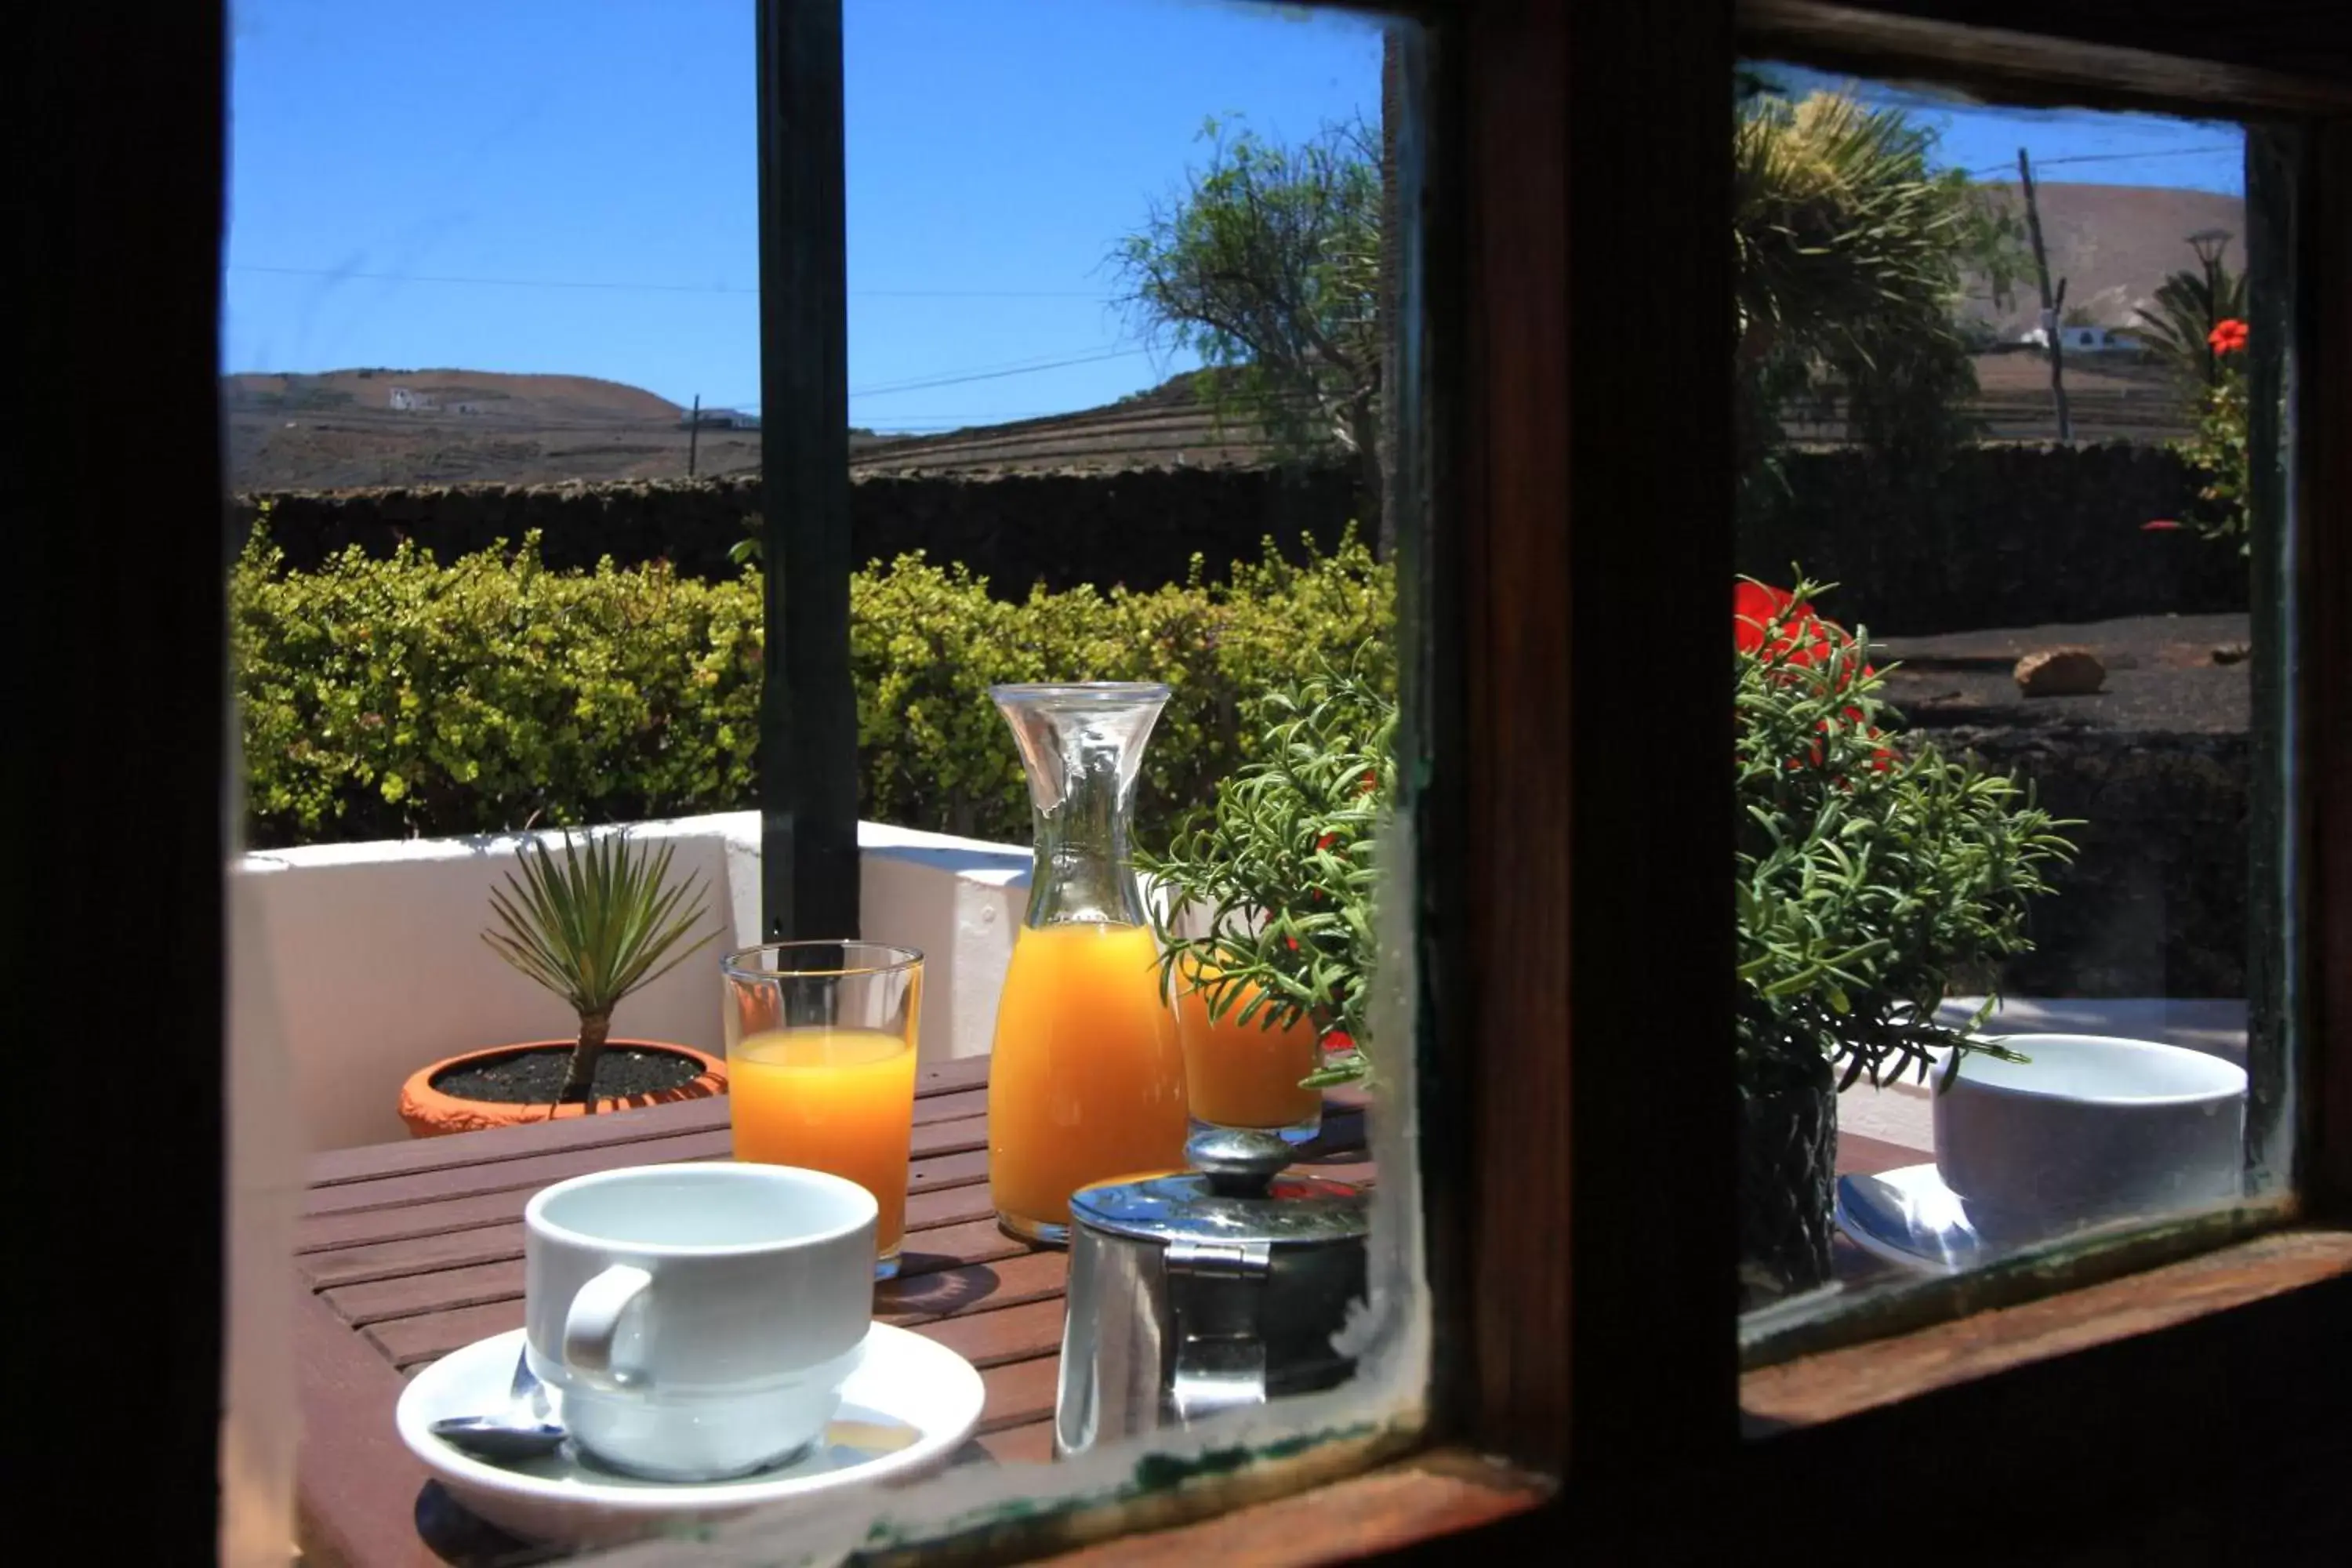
(429, 1112)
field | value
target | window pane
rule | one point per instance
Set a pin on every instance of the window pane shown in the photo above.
(1118, 329)
(2001, 387)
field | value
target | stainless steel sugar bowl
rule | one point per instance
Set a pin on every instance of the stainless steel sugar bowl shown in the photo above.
(1204, 1289)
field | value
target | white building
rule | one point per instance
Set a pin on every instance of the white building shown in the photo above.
(404, 401)
(2085, 340)
(719, 419)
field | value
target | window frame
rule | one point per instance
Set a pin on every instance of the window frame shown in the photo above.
(1577, 1341)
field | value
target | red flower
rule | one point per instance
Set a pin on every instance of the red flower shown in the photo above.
(1806, 638)
(1338, 1040)
(2227, 337)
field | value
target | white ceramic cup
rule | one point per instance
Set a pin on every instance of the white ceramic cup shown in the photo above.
(2091, 1128)
(698, 1321)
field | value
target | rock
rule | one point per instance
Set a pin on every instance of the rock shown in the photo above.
(2060, 672)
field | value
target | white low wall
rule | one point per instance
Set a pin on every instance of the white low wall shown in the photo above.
(378, 965)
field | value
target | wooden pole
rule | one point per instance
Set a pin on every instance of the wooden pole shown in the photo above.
(808, 711)
(693, 433)
(2052, 303)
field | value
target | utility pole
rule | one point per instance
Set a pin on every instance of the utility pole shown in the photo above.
(2052, 304)
(693, 433)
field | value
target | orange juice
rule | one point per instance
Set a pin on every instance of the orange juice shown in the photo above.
(1088, 1081)
(839, 1100)
(1240, 1074)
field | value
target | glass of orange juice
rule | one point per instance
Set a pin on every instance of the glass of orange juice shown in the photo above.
(1243, 1060)
(821, 1039)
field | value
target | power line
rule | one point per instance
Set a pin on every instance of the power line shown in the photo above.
(337, 272)
(959, 380)
(2114, 157)
(960, 377)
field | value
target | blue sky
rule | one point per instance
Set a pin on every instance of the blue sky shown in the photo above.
(569, 185)
(997, 149)
(2065, 144)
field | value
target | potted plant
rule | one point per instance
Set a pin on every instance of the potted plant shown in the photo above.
(1871, 871)
(1276, 879)
(591, 925)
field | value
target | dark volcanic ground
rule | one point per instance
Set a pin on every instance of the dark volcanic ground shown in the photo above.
(2162, 676)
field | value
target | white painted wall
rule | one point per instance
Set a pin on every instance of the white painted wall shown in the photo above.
(379, 966)
(376, 965)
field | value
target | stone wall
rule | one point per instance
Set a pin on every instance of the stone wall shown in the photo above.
(1141, 529)
(2156, 902)
(2006, 536)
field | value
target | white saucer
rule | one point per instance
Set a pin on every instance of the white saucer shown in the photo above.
(1909, 1217)
(917, 1389)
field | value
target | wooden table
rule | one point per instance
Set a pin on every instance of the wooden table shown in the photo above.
(407, 1251)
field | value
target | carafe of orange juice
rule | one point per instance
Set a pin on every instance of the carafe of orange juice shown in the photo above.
(1088, 1082)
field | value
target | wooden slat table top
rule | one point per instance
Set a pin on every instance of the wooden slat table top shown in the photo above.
(405, 1252)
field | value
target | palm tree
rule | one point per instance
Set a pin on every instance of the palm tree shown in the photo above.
(2189, 305)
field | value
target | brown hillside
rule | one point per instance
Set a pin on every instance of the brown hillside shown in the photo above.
(2113, 244)
(338, 429)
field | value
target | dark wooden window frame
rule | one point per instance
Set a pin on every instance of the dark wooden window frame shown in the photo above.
(1566, 615)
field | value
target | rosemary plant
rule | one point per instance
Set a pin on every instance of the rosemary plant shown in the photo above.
(1872, 868)
(1282, 872)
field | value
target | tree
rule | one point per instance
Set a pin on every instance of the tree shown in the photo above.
(1852, 257)
(2188, 306)
(1267, 264)
(1852, 254)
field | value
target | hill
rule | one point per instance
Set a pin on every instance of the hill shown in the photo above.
(2113, 244)
(346, 428)
(340, 429)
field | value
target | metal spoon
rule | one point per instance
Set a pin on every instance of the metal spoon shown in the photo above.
(521, 1431)
(524, 1430)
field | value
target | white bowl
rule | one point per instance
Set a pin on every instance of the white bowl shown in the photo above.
(2090, 1129)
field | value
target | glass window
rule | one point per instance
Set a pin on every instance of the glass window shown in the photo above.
(2007, 394)
(1133, 1011)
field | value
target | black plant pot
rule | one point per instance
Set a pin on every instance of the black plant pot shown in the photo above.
(1787, 1177)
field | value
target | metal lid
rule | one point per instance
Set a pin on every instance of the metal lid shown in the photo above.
(1236, 1195)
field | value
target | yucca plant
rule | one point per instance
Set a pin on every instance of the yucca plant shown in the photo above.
(592, 926)
(1852, 255)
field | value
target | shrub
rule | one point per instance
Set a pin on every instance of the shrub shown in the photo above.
(1282, 871)
(1872, 869)
(391, 698)
(401, 697)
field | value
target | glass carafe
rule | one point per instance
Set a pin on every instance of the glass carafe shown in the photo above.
(1088, 1081)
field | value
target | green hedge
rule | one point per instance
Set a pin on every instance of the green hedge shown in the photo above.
(395, 697)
